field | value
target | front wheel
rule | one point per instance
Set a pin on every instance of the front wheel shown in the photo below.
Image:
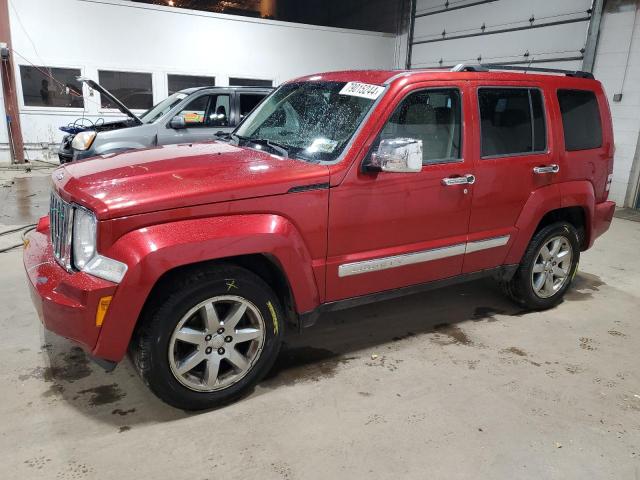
(547, 268)
(213, 338)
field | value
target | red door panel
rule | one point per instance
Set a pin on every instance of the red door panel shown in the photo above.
(390, 230)
(503, 186)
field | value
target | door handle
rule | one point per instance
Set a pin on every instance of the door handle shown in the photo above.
(547, 169)
(467, 179)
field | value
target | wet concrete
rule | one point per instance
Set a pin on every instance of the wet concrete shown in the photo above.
(24, 200)
(458, 383)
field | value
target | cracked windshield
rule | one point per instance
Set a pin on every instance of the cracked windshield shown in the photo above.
(311, 121)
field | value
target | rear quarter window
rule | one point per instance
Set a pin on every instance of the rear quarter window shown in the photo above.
(580, 119)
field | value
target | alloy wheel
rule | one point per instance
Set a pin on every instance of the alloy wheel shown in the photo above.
(216, 343)
(552, 267)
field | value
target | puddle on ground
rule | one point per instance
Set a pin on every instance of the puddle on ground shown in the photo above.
(304, 364)
(447, 334)
(583, 286)
(103, 394)
(73, 365)
(24, 200)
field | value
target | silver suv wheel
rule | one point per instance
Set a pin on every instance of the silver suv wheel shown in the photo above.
(216, 343)
(552, 267)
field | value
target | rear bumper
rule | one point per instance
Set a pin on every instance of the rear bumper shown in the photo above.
(602, 216)
(66, 302)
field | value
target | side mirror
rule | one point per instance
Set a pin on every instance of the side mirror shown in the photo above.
(178, 122)
(399, 155)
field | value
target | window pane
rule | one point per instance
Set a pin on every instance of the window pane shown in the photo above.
(248, 101)
(51, 87)
(580, 119)
(505, 119)
(132, 89)
(432, 116)
(194, 113)
(249, 82)
(180, 82)
(219, 116)
(539, 125)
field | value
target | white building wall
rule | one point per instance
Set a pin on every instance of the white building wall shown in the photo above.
(618, 54)
(120, 35)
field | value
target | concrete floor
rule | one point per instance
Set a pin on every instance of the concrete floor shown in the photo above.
(457, 384)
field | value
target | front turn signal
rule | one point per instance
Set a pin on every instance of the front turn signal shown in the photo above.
(103, 306)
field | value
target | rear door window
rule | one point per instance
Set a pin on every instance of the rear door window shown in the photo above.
(512, 121)
(580, 119)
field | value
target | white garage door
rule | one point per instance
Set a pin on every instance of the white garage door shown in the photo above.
(547, 33)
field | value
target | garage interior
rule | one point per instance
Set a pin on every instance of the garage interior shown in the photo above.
(454, 383)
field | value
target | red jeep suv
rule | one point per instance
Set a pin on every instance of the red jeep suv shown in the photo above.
(338, 189)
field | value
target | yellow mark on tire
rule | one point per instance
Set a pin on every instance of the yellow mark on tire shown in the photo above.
(231, 283)
(274, 317)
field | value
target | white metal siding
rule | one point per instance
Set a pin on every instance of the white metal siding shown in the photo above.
(548, 32)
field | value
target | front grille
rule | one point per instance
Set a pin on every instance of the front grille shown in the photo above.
(61, 226)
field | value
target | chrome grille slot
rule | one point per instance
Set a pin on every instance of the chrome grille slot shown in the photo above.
(61, 225)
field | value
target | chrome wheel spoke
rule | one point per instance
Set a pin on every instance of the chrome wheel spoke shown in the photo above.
(555, 247)
(237, 359)
(545, 253)
(246, 334)
(211, 372)
(210, 317)
(189, 335)
(563, 255)
(538, 268)
(234, 316)
(538, 282)
(190, 362)
(548, 284)
(559, 272)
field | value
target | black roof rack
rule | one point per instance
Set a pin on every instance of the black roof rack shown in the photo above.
(465, 67)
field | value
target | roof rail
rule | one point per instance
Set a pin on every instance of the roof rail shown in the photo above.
(462, 67)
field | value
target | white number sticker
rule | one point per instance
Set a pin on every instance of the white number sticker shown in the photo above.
(364, 90)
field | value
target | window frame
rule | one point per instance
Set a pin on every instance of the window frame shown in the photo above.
(44, 108)
(102, 109)
(376, 141)
(595, 97)
(546, 123)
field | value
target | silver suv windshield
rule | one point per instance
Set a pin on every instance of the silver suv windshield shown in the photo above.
(160, 109)
(311, 120)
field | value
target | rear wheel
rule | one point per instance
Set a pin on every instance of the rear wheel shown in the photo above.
(547, 268)
(213, 338)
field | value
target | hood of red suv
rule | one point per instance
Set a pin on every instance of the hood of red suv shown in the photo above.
(180, 176)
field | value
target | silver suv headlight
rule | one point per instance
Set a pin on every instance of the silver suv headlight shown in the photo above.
(85, 255)
(83, 140)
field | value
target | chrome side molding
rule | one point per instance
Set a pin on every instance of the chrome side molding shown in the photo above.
(395, 261)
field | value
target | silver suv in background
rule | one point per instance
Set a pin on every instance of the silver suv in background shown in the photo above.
(190, 115)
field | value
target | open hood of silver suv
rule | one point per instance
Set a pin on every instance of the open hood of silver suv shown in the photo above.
(103, 91)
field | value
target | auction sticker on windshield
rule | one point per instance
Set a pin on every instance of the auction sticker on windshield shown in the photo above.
(364, 90)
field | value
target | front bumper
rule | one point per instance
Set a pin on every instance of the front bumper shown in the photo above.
(66, 302)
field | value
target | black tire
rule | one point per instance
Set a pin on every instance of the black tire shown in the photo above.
(150, 347)
(521, 289)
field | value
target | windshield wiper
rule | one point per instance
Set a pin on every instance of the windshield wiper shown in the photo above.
(281, 149)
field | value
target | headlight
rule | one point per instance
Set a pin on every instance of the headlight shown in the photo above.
(85, 256)
(84, 237)
(83, 140)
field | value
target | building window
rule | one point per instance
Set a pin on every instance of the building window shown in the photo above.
(249, 82)
(433, 117)
(133, 89)
(580, 119)
(180, 82)
(512, 121)
(51, 87)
